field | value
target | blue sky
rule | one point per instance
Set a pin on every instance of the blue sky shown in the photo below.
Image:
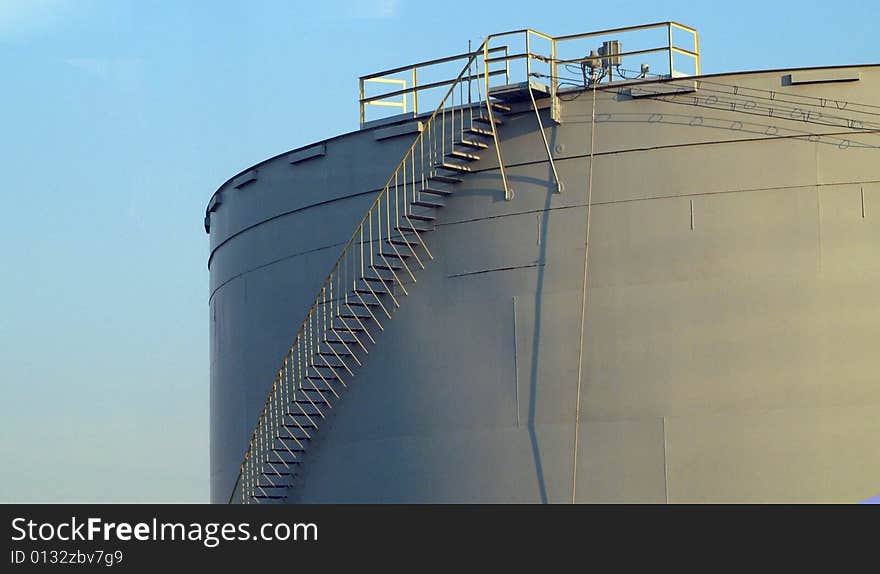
(118, 119)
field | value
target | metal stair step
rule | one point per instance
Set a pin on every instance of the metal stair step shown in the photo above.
(343, 336)
(340, 336)
(352, 328)
(269, 497)
(435, 191)
(308, 404)
(412, 229)
(400, 255)
(282, 460)
(327, 377)
(323, 389)
(296, 428)
(271, 486)
(454, 166)
(308, 426)
(479, 131)
(293, 449)
(377, 281)
(475, 144)
(307, 415)
(305, 403)
(445, 178)
(426, 203)
(404, 242)
(386, 266)
(302, 398)
(272, 472)
(458, 154)
(314, 414)
(500, 107)
(334, 365)
(368, 292)
(486, 120)
(420, 217)
(339, 352)
(353, 316)
(365, 303)
(380, 280)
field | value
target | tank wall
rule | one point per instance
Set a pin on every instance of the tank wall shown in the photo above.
(730, 335)
(273, 242)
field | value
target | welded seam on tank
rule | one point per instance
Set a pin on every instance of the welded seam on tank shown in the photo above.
(481, 271)
(273, 262)
(665, 463)
(286, 257)
(563, 207)
(658, 197)
(283, 214)
(538, 162)
(673, 146)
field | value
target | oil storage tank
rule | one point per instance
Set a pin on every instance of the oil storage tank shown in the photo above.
(573, 269)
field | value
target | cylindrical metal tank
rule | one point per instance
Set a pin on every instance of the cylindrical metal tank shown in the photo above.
(732, 316)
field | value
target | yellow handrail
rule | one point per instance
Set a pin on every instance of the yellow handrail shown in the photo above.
(501, 55)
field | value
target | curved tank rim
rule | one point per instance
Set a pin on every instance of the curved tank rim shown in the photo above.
(403, 119)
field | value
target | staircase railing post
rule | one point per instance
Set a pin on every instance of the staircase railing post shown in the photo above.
(555, 112)
(508, 193)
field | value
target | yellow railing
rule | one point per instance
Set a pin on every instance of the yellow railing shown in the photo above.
(538, 51)
(411, 74)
